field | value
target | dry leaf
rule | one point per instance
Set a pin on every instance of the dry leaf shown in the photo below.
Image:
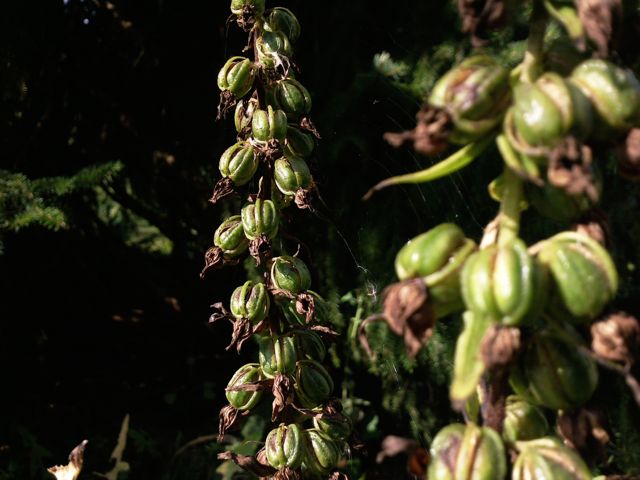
(73, 468)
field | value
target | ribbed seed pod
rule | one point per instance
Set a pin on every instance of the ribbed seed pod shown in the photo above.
(523, 421)
(260, 218)
(269, 124)
(291, 96)
(291, 174)
(285, 447)
(309, 346)
(250, 301)
(239, 162)
(313, 384)
(277, 355)
(298, 143)
(230, 237)
(547, 458)
(244, 113)
(237, 76)
(273, 48)
(244, 399)
(322, 453)
(280, 19)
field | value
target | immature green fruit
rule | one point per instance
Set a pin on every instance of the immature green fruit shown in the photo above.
(546, 111)
(298, 143)
(522, 421)
(230, 237)
(269, 124)
(280, 19)
(250, 301)
(296, 318)
(614, 93)
(238, 7)
(475, 94)
(260, 218)
(291, 96)
(437, 256)
(337, 426)
(470, 452)
(273, 49)
(322, 453)
(583, 272)
(277, 355)
(548, 458)
(284, 446)
(313, 383)
(243, 399)
(244, 113)
(554, 372)
(503, 283)
(309, 346)
(239, 162)
(555, 203)
(291, 174)
(237, 76)
(290, 274)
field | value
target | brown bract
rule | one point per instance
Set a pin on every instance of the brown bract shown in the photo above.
(228, 419)
(227, 102)
(617, 338)
(303, 197)
(582, 430)
(282, 395)
(570, 169)
(499, 347)
(628, 155)
(600, 20)
(214, 258)
(260, 250)
(430, 135)
(479, 16)
(595, 225)
(224, 188)
(409, 313)
(248, 463)
(306, 305)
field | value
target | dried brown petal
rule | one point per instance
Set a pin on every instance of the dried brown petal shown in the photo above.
(595, 225)
(570, 169)
(303, 197)
(338, 476)
(282, 395)
(260, 249)
(430, 135)
(600, 19)
(478, 16)
(242, 331)
(287, 473)
(582, 430)
(250, 464)
(224, 188)
(227, 102)
(393, 445)
(228, 418)
(628, 155)
(499, 347)
(307, 124)
(306, 305)
(617, 338)
(409, 313)
(220, 313)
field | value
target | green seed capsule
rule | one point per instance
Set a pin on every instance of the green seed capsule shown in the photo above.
(291, 96)
(553, 372)
(614, 93)
(281, 19)
(298, 143)
(277, 355)
(503, 283)
(238, 7)
(259, 218)
(470, 452)
(244, 400)
(475, 94)
(284, 446)
(237, 76)
(239, 163)
(553, 202)
(313, 383)
(269, 124)
(310, 346)
(230, 237)
(583, 272)
(273, 49)
(290, 274)
(337, 426)
(250, 301)
(291, 174)
(244, 113)
(547, 458)
(523, 421)
(322, 453)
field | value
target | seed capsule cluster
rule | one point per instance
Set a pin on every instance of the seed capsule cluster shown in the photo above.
(275, 136)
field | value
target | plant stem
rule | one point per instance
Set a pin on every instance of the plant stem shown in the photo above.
(534, 55)
(509, 220)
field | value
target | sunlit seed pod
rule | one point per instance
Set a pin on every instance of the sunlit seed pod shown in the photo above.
(554, 372)
(260, 218)
(313, 384)
(548, 458)
(555, 203)
(277, 355)
(291, 96)
(290, 274)
(269, 124)
(522, 421)
(244, 113)
(273, 49)
(614, 93)
(280, 19)
(298, 143)
(309, 346)
(584, 274)
(239, 162)
(244, 399)
(467, 452)
(338, 426)
(237, 76)
(322, 453)
(291, 174)
(238, 7)
(230, 237)
(250, 301)
(285, 447)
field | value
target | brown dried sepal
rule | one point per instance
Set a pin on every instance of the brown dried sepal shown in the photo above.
(249, 464)
(409, 313)
(282, 395)
(246, 20)
(430, 135)
(600, 20)
(617, 338)
(499, 347)
(570, 169)
(260, 250)
(302, 198)
(307, 124)
(479, 16)
(306, 305)
(229, 419)
(628, 155)
(224, 188)
(582, 430)
(596, 226)
(214, 258)
(287, 473)
(227, 102)
(337, 475)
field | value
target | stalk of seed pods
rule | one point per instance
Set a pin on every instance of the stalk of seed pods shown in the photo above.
(275, 136)
(524, 354)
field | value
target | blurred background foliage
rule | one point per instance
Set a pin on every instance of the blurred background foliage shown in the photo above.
(109, 153)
